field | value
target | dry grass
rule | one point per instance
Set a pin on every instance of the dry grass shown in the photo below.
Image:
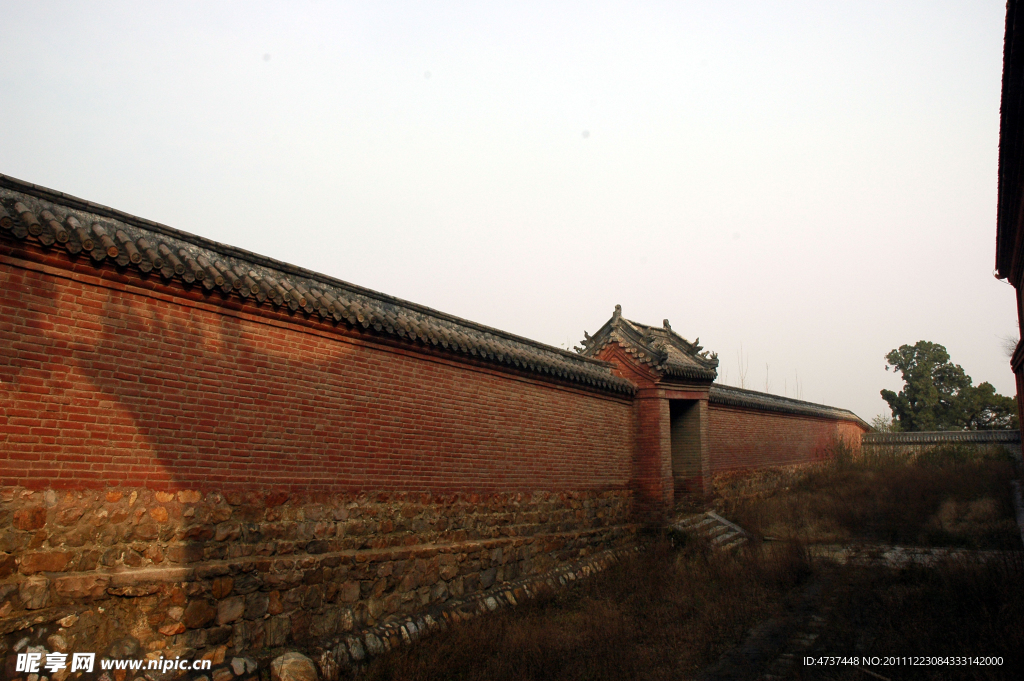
(947, 496)
(670, 612)
(661, 615)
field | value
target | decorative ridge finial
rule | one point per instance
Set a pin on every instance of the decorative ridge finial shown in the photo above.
(668, 327)
(617, 313)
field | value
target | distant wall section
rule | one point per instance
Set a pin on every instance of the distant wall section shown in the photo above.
(749, 430)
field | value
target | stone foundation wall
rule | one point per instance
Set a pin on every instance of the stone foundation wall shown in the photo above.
(149, 573)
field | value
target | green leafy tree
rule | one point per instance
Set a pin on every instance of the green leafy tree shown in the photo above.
(988, 410)
(939, 395)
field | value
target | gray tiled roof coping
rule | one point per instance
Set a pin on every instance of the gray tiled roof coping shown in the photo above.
(490, 344)
(941, 436)
(751, 399)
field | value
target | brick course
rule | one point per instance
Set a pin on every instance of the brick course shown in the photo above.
(105, 384)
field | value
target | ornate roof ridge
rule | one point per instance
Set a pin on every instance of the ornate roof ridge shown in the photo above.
(661, 348)
(54, 219)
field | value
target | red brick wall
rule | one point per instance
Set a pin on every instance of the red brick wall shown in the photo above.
(741, 438)
(106, 383)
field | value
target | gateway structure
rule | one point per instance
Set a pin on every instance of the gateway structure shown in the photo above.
(226, 452)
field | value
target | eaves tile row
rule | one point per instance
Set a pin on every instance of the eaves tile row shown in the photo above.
(105, 237)
(751, 399)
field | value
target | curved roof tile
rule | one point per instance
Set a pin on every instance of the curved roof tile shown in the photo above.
(53, 219)
(751, 399)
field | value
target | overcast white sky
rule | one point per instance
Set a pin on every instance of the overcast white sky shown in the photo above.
(815, 182)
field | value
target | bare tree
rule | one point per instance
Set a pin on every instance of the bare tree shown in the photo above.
(1009, 343)
(744, 365)
(885, 424)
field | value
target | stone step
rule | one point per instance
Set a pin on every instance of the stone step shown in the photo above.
(722, 533)
(724, 538)
(734, 544)
(718, 530)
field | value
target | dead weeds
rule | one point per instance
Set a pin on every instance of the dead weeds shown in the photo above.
(946, 496)
(673, 611)
(661, 615)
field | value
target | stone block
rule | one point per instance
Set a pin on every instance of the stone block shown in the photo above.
(217, 635)
(293, 667)
(449, 568)
(346, 619)
(300, 621)
(34, 593)
(439, 591)
(313, 598)
(145, 531)
(318, 546)
(228, 531)
(277, 630)
(326, 623)
(247, 582)
(256, 605)
(248, 635)
(275, 606)
(30, 518)
(81, 586)
(69, 516)
(53, 561)
(7, 565)
(230, 609)
(223, 674)
(349, 592)
(172, 629)
(198, 613)
(221, 587)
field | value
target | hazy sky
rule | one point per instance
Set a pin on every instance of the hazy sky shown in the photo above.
(813, 182)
